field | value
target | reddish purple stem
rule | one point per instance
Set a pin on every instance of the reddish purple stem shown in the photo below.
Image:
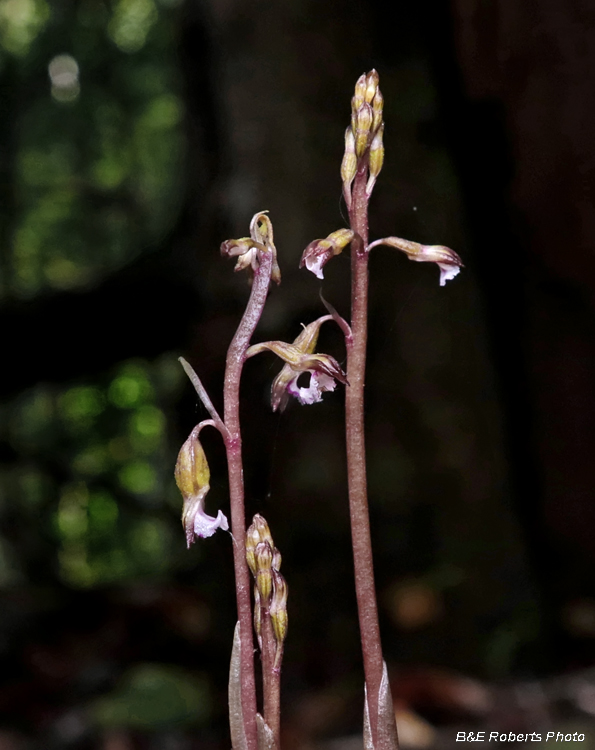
(356, 449)
(233, 443)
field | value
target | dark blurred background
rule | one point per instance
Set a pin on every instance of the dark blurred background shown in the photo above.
(135, 136)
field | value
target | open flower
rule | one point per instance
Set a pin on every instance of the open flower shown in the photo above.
(319, 252)
(299, 358)
(447, 260)
(245, 250)
(192, 478)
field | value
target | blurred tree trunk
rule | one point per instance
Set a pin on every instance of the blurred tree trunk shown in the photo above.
(538, 60)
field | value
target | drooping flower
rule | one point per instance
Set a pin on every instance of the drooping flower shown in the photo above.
(299, 358)
(192, 477)
(447, 260)
(319, 252)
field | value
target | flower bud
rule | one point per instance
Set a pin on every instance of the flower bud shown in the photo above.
(192, 477)
(372, 80)
(252, 539)
(377, 107)
(376, 159)
(349, 163)
(263, 556)
(363, 125)
(276, 560)
(261, 528)
(360, 92)
(258, 617)
(261, 229)
(278, 607)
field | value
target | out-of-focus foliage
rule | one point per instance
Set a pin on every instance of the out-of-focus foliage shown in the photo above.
(98, 151)
(113, 509)
(154, 695)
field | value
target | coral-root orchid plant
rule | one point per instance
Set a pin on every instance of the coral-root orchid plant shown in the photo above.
(254, 553)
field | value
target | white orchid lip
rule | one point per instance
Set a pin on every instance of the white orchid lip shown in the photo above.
(447, 272)
(205, 525)
(319, 384)
(315, 265)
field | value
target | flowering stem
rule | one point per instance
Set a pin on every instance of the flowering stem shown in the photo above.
(356, 449)
(233, 444)
(271, 679)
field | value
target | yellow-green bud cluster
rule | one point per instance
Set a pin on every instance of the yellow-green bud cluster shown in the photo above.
(364, 136)
(270, 590)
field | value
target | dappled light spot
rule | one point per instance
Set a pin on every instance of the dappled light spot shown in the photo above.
(131, 388)
(64, 76)
(146, 428)
(81, 404)
(72, 511)
(138, 477)
(63, 273)
(131, 22)
(20, 23)
(93, 460)
(150, 541)
(74, 567)
(103, 510)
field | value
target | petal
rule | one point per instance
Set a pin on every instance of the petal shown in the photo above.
(315, 265)
(196, 522)
(205, 525)
(319, 383)
(309, 395)
(447, 272)
(325, 382)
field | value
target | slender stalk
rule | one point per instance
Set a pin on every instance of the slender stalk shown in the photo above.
(204, 396)
(233, 445)
(356, 449)
(271, 679)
